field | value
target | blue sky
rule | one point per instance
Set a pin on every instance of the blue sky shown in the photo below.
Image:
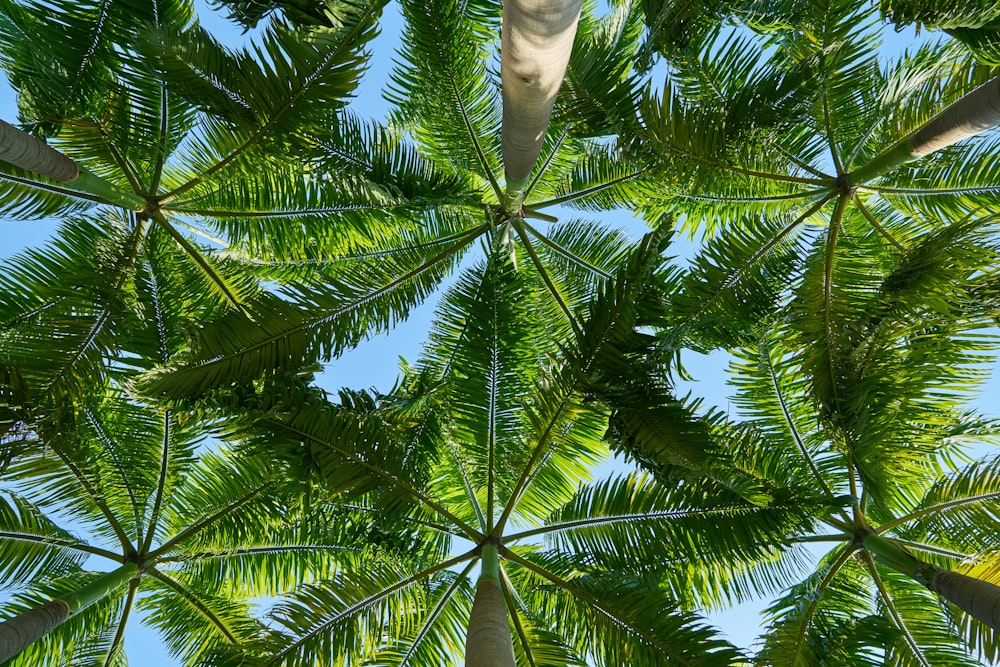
(375, 362)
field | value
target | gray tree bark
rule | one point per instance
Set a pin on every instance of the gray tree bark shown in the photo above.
(488, 642)
(980, 599)
(18, 633)
(30, 153)
(536, 42)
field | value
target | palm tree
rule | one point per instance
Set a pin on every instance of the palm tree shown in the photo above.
(446, 100)
(193, 534)
(483, 453)
(163, 131)
(784, 135)
(875, 416)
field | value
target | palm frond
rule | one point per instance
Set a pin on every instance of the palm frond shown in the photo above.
(309, 323)
(445, 92)
(615, 618)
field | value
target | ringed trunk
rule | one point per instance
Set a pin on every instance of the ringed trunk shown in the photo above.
(535, 45)
(980, 599)
(32, 154)
(972, 114)
(17, 633)
(488, 642)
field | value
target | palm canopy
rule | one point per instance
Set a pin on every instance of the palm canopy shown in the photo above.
(486, 446)
(191, 141)
(109, 487)
(446, 100)
(787, 131)
(877, 414)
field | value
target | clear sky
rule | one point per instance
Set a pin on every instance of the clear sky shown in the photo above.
(374, 364)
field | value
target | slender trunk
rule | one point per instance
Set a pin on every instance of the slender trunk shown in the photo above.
(488, 643)
(536, 42)
(980, 599)
(972, 114)
(17, 633)
(31, 154)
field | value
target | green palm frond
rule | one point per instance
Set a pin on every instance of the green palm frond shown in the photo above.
(83, 45)
(249, 13)
(958, 183)
(590, 177)
(776, 397)
(193, 622)
(266, 91)
(615, 618)
(600, 89)
(956, 511)
(974, 23)
(827, 619)
(892, 325)
(697, 537)
(318, 321)
(342, 619)
(33, 544)
(736, 282)
(444, 92)
(57, 331)
(580, 254)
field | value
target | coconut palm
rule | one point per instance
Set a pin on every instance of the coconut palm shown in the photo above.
(483, 452)
(789, 133)
(875, 413)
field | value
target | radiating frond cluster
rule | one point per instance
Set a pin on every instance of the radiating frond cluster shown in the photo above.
(167, 456)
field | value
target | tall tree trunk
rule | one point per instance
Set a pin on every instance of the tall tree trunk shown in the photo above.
(17, 633)
(972, 114)
(32, 154)
(488, 642)
(536, 42)
(980, 599)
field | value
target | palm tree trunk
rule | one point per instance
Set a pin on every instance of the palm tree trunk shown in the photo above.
(536, 42)
(488, 642)
(17, 633)
(972, 114)
(27, 152)
(31, 154)
(980, 599)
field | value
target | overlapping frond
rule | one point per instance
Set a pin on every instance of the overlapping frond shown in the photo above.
(283, 83)
(599, 92)
(445, 92)
(974, 23)
(33, 545)
(615, 618)
(310, 322)
(84, 44)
